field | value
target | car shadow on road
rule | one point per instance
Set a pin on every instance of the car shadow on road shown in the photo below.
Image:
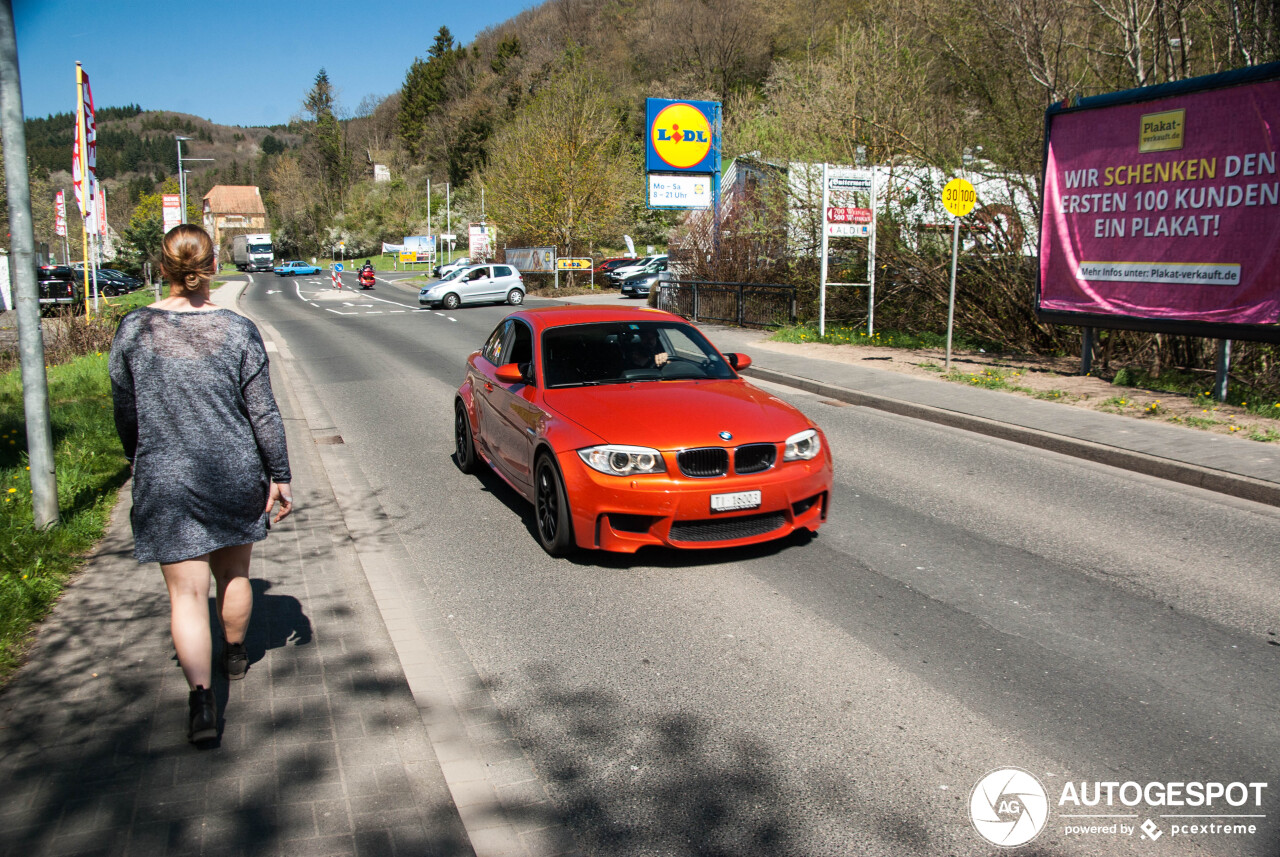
(646, 557)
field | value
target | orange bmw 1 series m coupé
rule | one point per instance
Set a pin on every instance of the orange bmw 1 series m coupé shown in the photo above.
(625, 428)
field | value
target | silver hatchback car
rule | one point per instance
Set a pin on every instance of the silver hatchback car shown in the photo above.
(475, 284)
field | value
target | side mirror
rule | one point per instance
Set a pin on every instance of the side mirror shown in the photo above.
(509, 373)
(738, 361)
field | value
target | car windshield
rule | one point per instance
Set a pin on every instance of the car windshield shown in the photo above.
(624, 352)
(452, 275)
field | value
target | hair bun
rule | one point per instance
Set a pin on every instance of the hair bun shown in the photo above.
(186, 257)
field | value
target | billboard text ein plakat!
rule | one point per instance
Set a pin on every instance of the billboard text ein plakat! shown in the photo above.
(1165, 209)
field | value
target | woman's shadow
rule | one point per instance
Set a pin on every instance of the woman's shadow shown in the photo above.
(278, 621)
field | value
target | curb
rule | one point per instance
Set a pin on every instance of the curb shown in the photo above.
(1219, 481)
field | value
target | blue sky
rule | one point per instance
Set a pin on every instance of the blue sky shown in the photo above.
(242, 63)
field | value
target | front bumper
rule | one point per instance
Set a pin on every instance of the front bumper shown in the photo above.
(624, 514)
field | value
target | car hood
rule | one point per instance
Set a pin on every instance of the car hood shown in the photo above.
(678, 414)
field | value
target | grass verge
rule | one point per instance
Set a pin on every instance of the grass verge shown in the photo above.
(1193, 385)
(90, 467)
(838, 335)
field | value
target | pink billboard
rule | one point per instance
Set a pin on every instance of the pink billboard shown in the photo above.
(1167, 208)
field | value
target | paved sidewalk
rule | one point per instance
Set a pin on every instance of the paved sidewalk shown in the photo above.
(323, 749)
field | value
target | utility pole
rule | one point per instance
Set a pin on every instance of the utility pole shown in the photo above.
(35, 384)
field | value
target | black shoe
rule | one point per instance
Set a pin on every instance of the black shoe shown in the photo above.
(203, 725)
(235, 660)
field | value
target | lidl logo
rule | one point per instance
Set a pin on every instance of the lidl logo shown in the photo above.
(681, 135)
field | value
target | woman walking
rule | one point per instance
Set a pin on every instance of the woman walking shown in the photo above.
(203, 435)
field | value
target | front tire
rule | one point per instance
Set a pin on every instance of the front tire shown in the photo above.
(551, 508)
(451, 301)
(464, 449)
(515, 297)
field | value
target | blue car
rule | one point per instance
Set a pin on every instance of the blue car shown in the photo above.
(296, 267)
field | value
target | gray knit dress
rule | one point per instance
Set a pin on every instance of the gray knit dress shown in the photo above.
(195, 412)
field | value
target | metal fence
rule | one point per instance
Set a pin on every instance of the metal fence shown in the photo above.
(743, 304)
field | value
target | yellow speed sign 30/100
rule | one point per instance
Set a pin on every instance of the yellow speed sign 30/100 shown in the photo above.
(958, 197)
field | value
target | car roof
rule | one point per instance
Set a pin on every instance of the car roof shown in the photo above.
(542, 318)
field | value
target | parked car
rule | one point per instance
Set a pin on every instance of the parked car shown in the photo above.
(617, 275)
(449, 267)
(59, 286)
(475, 284)
(607, 265)
(639, 285)
(110, 281)
(295, 268)
(573, 407)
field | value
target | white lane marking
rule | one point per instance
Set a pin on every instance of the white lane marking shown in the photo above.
(340, 312)
(273, 291)
(394, 311)
(314, 304)
(297, 287)
(346, 303)
(452, 319)
(374, 312)
(442, 315)
(385, 301)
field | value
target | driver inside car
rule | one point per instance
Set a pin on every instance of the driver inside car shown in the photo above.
(645, 351)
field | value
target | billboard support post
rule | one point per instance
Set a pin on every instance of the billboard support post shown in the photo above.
(1086, 350)
(1222, 368)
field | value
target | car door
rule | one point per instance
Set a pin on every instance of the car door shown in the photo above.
(504, 280)
(515, 408)
(474, 284)
(483, 385)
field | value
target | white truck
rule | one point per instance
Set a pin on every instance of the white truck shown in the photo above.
(252, 252)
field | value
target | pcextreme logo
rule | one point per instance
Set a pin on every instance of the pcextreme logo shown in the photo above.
(681, 135)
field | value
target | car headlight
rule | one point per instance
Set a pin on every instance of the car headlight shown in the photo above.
(623, 460)
(802, 446)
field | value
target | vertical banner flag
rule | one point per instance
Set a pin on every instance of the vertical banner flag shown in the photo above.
(59, 214)
(85, 149)
(101, 209)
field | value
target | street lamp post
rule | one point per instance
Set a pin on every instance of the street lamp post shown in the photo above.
(182, 180)
(182, 175)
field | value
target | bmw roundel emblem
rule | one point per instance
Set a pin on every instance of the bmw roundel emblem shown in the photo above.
(724, 435)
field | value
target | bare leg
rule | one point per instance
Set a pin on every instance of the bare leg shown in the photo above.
(235, 594)
(188, 583)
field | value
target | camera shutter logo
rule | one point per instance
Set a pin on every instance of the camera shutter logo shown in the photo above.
(1008, 807)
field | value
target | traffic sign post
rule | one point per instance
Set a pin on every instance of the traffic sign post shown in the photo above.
(958, 198)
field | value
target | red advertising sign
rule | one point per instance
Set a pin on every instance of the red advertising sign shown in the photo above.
(1166, 208)
(171, 210)
(59, 214)
(848, 215)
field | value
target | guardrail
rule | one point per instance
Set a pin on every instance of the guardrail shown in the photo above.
(743, 304)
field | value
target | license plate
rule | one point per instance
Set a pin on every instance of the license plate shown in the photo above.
(737, 500)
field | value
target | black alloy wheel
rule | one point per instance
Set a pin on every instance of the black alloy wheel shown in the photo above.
(464, 449)
(551, 508)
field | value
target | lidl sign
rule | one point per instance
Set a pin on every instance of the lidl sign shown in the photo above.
(683, 136)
